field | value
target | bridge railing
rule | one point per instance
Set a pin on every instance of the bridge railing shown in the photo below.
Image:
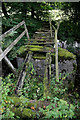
(7, 50)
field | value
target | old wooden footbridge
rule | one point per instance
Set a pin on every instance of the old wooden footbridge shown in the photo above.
(44, 46)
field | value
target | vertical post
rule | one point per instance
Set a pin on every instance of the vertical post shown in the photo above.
(46, 80)
(26, 30)
(50, 26)
(56, 56)
(49, 54)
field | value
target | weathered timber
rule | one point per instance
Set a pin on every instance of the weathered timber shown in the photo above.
(43, 32)
(23, 73)
(42, 43)
(26, 30)
(12, 29)
(3, 54)
(8, 63)
(50, 25)
(49, 60)
(56, 56)
(46, 78)
(42, 40)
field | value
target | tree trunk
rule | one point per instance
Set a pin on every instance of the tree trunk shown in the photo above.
(32, 13)
(56, 56)
(4, 11)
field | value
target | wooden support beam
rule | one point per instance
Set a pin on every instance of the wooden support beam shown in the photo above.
(26, 30)
(47, 75)
(3, 54)
(23, 73)
(50, 26)
(49, 61)
(8, 63)
(45, 80)
(12, 29)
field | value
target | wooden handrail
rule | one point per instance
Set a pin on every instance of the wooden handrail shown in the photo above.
(5, 52)
(12, 29)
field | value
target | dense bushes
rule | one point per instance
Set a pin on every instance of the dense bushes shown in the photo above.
(57, 105)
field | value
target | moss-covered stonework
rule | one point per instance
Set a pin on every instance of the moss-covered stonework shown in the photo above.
(63, 53)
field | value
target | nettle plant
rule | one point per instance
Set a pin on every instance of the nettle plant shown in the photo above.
(5, 90)
(57, 108)
(33, 88)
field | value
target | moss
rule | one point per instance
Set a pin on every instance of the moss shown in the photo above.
(17, 101)
(39, 56)
(25, 113)
(35, 49)
(21, 50)
(63, 53)
(75, 66)
(33, 46)
(22, 107)
(28, 113)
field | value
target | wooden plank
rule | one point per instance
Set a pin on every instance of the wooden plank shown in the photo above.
(12, 29)
(11, 46)
(8, 63)
(37, 43)
(37, 40)
(26, 30)
(23, 73)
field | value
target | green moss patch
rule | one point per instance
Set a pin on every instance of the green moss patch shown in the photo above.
(63, 53)
(39, 56)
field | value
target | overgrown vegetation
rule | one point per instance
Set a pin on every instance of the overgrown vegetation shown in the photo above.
(62, 102)
(58, 105)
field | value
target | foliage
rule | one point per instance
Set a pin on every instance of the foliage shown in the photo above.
(58, 108)
(69, 30)
(58, 88)
(32, 89)
(7, 89)
(62, 104)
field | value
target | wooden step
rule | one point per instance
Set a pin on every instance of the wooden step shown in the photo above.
(44, 32)
(41, 40)
(37, 43)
